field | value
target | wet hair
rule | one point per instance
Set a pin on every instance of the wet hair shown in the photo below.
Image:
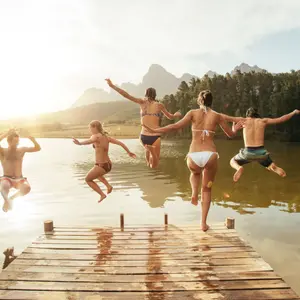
(97, 124)
(252, 113)
(205, 98)
(151, 94)
(11, 136)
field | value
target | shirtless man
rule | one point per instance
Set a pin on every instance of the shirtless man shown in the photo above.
(11, 161)
(254, 136)
(103, 165)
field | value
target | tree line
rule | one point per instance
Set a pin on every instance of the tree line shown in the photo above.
(272, 94)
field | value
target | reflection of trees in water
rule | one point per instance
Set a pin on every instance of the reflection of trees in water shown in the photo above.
(257, 188)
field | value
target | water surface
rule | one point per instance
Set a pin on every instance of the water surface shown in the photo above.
(266, 207)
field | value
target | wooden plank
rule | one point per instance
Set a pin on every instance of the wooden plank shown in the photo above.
(129, 245)
(126, 236)
(152, 268)
(138, 263)
(120, 257)
(141, 226)
(121, 240)
(196, 276)
(141, 251)
(141, 286)
(271, 294)
(144, 230)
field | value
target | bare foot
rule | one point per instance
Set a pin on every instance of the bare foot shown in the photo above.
(194, 200)
(204, 227)
(5, 206)
(237, 175)
(109, 189)
(277, 170)
(102, 198)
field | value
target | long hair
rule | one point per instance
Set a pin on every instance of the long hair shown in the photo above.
(97, 124)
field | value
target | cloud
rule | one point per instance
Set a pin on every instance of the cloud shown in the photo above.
(71, 45)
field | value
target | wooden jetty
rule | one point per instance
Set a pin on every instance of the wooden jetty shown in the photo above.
(148, 262)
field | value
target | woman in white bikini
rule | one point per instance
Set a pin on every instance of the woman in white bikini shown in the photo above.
(151, 113)
(202, 158)
(103, 165)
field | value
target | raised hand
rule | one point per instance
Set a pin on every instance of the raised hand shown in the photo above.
(237, 126)
(296, 111)
(76, 142)
(109, 82)
(11, 131)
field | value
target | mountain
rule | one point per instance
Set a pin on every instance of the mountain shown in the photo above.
(157, 77)
(211, 74)
(245, 68)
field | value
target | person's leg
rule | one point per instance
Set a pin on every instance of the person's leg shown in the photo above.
(93, 174)
(105, 182)
(155, 159)
(5, 187)
(147, 152)
(154, 153)
(23, 189)
(195, 177)
(208, 178)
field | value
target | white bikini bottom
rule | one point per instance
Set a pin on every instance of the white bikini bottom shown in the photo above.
(201, 158)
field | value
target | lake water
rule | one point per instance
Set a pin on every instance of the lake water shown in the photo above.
(265, 206)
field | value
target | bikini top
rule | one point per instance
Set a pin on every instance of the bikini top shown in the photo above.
(145, 113)
(205, 132)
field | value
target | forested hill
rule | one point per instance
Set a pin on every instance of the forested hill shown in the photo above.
(273, 95)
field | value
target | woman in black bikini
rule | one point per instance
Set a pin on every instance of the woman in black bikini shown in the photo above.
(151, 112)
(103, 165)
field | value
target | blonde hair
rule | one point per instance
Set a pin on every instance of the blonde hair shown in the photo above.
(97, 124)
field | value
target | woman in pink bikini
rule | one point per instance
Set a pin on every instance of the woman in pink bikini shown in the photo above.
(103, 165)
(202, 158)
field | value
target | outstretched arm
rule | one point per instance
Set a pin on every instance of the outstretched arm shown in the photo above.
(180, 124)
(117, 142)
(89, 141)
(232, 119)
(36, 146)
(124, 93)
(168, 114)
(282, 119)
(230, 132)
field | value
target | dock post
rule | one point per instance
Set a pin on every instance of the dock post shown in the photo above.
(230, 222)
(166, 219)
(122, 221)
(48, 226)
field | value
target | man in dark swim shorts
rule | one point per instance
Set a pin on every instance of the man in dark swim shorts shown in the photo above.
(254, 136)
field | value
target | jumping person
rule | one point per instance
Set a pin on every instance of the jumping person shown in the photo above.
(254, 137)
(151, 112)
(12, 161)
(202, 158)
(103, 165)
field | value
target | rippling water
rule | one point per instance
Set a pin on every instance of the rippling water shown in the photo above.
(266, 207)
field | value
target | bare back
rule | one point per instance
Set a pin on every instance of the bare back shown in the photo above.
(150, 115)
(254, 132)
(204, 125)
(12, 161)
(101, 146)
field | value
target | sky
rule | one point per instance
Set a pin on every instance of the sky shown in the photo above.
(53, 50)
